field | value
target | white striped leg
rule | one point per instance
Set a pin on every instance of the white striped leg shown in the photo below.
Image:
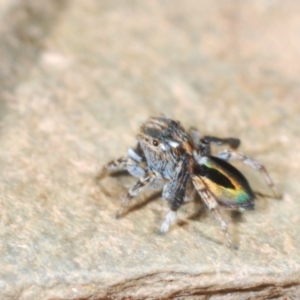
(230, 155)
(213, 206)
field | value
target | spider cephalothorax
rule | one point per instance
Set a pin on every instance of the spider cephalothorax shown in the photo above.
(163, 142)
(170, 158)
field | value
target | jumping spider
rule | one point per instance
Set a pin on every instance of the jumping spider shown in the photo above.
(170, 158)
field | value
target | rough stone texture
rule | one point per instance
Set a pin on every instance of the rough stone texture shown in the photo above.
(77, 78)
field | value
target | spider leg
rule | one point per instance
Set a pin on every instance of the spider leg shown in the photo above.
(196, 136)
(113, 166)
(230, 155)
(136, 189)
(174, 192)
(130, 163)
(213, 206)
(203, 145)
(232, 142)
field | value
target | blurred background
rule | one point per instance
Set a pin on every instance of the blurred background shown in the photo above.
(78, 78)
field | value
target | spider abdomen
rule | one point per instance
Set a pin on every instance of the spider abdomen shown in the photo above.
(225, 182)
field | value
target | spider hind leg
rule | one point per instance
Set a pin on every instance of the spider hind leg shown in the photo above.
(231, 155)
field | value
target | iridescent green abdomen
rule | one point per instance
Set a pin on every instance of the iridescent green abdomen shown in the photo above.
(225, 182)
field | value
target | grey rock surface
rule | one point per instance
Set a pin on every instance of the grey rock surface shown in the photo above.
(77, 79)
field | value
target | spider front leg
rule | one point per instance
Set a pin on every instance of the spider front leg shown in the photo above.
(148, 179)
(213, 206)
(174, 192)
(130, 163)
(230, 155)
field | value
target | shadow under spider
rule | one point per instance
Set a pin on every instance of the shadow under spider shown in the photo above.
(268, 196)
(236, 216)
(200, 210)
(119, 174)
(139, 205)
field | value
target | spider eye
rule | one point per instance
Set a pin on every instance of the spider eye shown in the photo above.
(155, 143)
